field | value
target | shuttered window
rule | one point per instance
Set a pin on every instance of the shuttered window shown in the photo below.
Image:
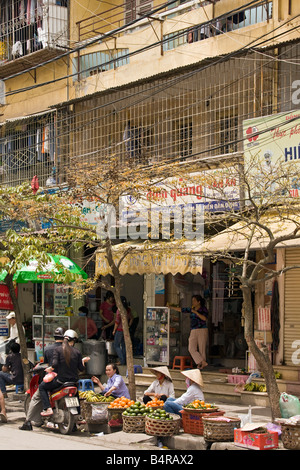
(134, 9)
(292, 308)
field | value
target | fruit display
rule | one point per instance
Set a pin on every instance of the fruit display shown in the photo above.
(161, 415)
(255, 387)
(200, 405)
(121, 402)
(154, 403)
(91, 397)
(137, 409)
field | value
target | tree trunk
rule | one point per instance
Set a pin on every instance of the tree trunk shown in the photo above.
(261, 355)
(128, 344)
(127, 339)
(22, 339)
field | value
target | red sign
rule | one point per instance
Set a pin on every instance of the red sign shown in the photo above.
(5, 299)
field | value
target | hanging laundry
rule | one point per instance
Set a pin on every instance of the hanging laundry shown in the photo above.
(39, 144)
(17, 49)
(22, 10)
(46, 139)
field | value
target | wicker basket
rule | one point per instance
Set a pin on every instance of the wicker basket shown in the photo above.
(214, 429)
(95, 413)
(161, 427)
(201, 410)
(115, 418)
(133, 424)
(192, 422)
(290, 436)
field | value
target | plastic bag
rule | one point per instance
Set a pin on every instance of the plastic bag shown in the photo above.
(289, 405)
(49, 377)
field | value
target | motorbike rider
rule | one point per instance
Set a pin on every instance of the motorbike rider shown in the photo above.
(67, 361)
(36, 406)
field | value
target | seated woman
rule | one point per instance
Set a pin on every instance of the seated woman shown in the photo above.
(194, 385)
(162, 387)
(116, 386)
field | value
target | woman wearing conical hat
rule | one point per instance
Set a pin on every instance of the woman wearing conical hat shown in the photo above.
(162, 387)
(194, 385)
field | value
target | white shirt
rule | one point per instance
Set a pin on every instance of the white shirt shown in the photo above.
(14, 333)
(194, 392)
(166, 388)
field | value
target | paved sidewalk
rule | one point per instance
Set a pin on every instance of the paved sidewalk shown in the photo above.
(131, 441)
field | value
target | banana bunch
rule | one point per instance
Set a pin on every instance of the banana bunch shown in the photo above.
(255, 387)
(86, 394)
(91, 397)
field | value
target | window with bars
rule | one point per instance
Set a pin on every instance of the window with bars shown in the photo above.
(29, 148)
(96, 62)
(247, 17)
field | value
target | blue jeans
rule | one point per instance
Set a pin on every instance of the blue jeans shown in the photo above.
(119, 344)
(171, 407)
(5, 379)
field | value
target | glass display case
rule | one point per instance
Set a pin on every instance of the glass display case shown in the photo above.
(157, 335)
(51, 322)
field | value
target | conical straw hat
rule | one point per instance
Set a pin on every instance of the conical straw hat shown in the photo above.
(195, 375)
(163, 370)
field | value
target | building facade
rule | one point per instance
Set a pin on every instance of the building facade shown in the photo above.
(149, 82)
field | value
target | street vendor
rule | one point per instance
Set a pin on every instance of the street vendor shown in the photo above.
(162, 387)
(194, 383)
(116, 386)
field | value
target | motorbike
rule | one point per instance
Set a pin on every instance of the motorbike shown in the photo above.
(64, 401)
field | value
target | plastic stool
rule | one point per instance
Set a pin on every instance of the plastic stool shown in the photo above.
(137, 369)
(182, 362)
(20, 388)
(85, 384)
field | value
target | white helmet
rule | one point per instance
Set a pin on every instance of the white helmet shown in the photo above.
(71, 335)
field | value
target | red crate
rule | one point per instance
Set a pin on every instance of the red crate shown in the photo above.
(257, 441)
(192, 422)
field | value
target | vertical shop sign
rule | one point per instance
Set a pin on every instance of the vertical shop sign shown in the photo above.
(3, 323)
(61, 299)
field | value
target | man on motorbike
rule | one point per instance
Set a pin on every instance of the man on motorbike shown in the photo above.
(67, 361)
(36, 405)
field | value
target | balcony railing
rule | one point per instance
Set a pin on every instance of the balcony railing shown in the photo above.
(25, 30)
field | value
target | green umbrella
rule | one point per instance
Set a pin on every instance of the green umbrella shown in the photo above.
(55, 270)
(57, 267)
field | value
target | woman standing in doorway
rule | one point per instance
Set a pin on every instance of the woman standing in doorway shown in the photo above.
(198, 338)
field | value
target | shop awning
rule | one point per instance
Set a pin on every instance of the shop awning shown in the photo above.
(240, 235)
(146, 257)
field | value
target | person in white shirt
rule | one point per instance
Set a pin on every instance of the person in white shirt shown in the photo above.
(194, 382)
(13, 334)
(161, 388)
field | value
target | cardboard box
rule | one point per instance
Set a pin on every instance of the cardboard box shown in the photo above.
(256, 441)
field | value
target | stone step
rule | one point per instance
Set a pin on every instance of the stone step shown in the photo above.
(217, 389)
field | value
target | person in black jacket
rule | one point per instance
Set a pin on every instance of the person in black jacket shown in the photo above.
(67, 361)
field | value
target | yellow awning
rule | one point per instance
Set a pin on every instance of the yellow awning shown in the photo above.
(240, 235)
(161, 257)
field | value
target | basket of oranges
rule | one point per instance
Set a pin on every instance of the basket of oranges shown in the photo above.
(155, 403)
(199, 406)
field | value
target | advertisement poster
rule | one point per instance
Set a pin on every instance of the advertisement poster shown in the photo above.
(273, 141)
(5, 300)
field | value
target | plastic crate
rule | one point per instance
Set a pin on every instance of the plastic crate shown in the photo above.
(192, 422)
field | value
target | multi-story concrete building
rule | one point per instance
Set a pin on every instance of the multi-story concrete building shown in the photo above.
(148, 82)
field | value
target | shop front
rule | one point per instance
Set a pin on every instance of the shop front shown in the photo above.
(165, 332)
